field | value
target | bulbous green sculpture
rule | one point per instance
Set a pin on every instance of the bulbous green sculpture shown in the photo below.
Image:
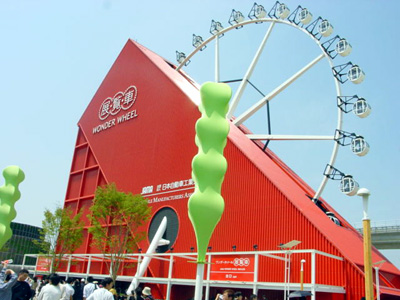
(9, 194)
(206, 205)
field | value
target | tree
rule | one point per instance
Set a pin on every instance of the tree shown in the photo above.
(61, 233)
(116, 219)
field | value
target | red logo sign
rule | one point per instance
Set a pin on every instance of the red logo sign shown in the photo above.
(121, 100)
(232, 268)
(43, 264)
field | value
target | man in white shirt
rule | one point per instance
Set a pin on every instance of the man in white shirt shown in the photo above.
(89, 288)
(103, 293)
(52, 290)
(69, 290)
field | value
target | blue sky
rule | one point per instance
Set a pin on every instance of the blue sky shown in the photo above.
(55, 55)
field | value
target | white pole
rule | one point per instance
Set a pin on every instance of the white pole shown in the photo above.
(378, 294)
(171, 263)
(284, 289)
(208, 277)
(143, 266)
(313, 275)
(288, 289)
(217, 58)
(198, 292)
(255, 290)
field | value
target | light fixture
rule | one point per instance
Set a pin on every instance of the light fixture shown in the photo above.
(289, 245)
(255, 247)
(234, 247)
(209, 248)
(191, 249)
(140, 250)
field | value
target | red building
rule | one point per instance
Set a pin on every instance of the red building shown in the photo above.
(138, 131)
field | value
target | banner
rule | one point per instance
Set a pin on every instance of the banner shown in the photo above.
(232, 268)
(43, 264)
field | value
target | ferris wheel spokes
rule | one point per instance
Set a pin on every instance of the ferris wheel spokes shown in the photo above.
(252, 110)
(281, 137)
(249, 72)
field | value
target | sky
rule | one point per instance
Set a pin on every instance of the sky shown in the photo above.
(55, 55)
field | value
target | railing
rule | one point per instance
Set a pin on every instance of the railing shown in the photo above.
(221, 270)
(380, 226)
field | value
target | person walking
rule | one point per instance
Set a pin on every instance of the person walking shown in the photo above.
(69, 290)
(78, 288)
(146, 294)
(34, 286)
(21, 289)
(103, 293)
(89, 288)
(6, 286)
(52, 290)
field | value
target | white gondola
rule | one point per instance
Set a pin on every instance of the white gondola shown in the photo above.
(216, 27)
(305, 16)
(359, 146)
(238, 17)
(197, 41)
(361, 108)
(325, 28)
(260, 12)
(282, 11)
(355, 74)
(332, 216)
(180, 57)
(348, 185)
(343, 48)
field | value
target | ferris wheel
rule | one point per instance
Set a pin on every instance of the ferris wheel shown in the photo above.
(329, 47)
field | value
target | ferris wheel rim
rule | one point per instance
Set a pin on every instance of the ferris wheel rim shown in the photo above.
(335, 151)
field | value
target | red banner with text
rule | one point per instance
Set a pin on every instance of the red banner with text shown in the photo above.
(43, 264)
(232, 268)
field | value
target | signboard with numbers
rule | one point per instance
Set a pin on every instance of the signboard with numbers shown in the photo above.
(232, 268)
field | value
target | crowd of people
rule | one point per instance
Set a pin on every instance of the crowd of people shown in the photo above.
(21, 287)
(230, 294)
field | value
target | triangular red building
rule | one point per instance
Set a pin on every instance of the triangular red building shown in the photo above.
(138, 131)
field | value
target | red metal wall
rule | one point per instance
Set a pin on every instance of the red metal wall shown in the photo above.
(266, 204)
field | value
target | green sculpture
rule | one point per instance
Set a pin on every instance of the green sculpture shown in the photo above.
(9, 194)
(206, 205)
